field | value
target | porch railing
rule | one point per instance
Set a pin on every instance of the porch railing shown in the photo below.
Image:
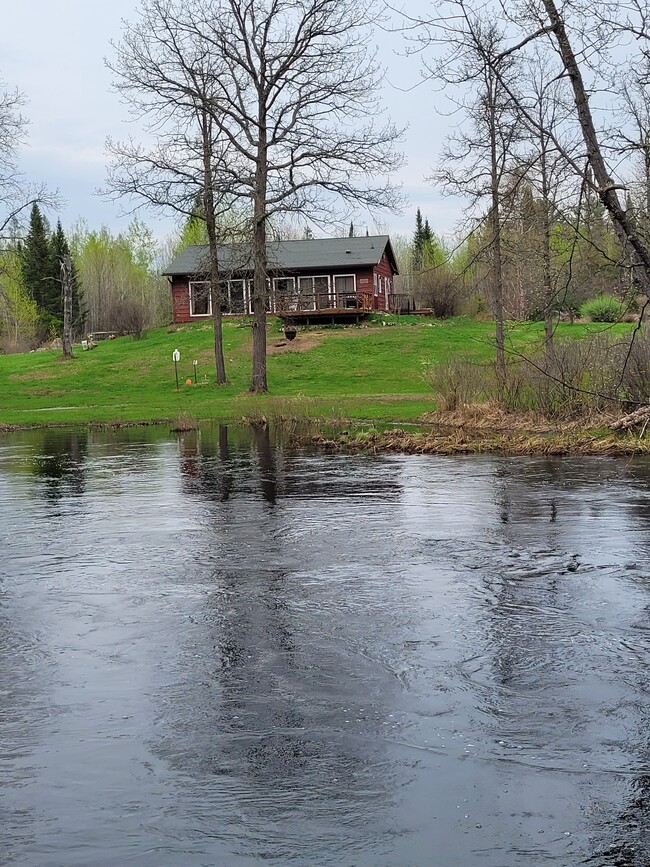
(325, 301)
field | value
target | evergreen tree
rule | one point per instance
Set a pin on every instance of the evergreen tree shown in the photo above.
(351, 232)
(59, 248)
(418, 241)
(35, 260)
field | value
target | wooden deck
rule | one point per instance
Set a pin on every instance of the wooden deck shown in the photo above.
(330, 307)
(323, 307)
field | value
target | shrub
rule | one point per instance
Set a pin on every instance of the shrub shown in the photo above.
(128, 317)
(439, 290)
(459, 383)
(604, 308)
(635, 367)
(589, 376)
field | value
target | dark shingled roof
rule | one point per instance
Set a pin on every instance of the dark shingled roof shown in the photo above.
(309, 254)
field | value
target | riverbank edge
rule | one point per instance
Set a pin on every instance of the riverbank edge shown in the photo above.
(462, 441)
(442, 438)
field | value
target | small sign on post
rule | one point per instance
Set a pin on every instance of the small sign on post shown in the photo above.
(177, 357)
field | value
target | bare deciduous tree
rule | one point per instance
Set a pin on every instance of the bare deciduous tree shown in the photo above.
(168, 79)
(477, 159)
(293, 102)
(15, 195)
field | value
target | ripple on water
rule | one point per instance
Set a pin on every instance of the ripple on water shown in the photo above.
(216, 650)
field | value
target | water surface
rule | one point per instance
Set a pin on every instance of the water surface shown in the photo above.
(218, 650)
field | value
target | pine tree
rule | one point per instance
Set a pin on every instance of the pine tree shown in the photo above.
(35, 260)
(351, 232)
(59, 248)
(418, 241)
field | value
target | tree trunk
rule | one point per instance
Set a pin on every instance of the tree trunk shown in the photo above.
(497, 259)
(66, 279)
(258, 383)
(604, 184)
(211, 228)
(549, 348)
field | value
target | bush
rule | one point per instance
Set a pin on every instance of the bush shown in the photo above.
(128, 317)
(604, 308)
(634, 383)
(439, 290)
(588, 378)
(459, 383)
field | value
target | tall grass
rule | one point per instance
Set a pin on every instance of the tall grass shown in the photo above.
(589, 377)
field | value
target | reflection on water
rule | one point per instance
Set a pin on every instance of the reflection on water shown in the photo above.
(218, 650)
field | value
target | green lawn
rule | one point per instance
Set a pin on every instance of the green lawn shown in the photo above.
(372, 372)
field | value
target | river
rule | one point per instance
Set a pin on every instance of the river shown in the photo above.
(216, 649)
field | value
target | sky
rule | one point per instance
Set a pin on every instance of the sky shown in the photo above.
(54, 52)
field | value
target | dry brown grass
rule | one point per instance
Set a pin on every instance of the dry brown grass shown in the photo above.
(33, 376)
(494, 417)
(184, 423)
(303, 342)
(461, 442)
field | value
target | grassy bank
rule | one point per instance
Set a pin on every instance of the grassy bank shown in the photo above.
(373, 372)
(462, 442)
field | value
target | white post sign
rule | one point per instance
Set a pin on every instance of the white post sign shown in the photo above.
(177, 357)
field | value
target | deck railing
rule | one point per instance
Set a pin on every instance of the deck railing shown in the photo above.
(323, 301)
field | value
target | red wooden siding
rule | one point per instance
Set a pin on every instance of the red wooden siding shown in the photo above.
(384, 271)
(365, 278)
(181, 300)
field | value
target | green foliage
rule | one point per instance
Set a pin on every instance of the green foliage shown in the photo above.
(604, 308)
(18, 311)
(194, 231)
(41, 255)
(117, 268)
(37, 272)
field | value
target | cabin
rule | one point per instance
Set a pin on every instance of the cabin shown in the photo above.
(312, 280)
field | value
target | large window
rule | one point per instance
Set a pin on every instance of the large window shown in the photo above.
(345, 290)
(284, 293)
(313, 292)
(237, 296)
(200, 299)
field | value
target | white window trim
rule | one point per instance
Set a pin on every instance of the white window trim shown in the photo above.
(192, 283)
(276, 280)
(335, 277)
(313, 278)
(335, 291)
(244, 283)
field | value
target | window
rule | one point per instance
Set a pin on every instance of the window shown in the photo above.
(313, 292)
(284, 291)
(345, 290)
(200, 300)
(376, 283)
(237, 301)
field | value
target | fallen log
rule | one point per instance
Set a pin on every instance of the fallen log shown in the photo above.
(639, 416)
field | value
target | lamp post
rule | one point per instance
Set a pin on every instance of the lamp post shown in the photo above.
(195, 362)
(177, 357)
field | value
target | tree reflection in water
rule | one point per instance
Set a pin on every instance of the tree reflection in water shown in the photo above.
(61, 463)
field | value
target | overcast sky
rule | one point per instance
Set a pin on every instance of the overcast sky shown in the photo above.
(54, 53)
